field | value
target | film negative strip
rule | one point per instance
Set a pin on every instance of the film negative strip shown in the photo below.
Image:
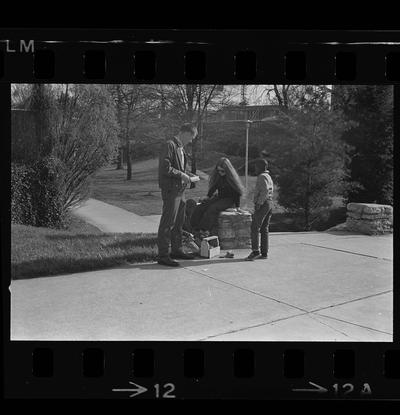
(92, 309)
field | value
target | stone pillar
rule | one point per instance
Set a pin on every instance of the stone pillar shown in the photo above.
(369, 218)
(234, 230)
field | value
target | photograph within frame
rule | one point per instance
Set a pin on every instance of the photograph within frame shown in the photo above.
(309, 167)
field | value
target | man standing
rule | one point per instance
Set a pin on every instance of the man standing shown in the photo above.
(173, 180)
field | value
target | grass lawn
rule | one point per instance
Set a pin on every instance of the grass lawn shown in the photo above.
(43, 252)
(141, 195)
(77, 225)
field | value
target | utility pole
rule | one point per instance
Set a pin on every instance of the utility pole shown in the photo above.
(248, 122)
(247, 152)
(243, 93)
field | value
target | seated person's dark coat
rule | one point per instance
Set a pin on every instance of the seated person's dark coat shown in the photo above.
(225, 191)
(205, 215)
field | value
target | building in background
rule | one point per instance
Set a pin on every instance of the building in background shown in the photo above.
(244, 112)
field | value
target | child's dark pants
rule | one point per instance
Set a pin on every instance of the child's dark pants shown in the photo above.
(260, 225)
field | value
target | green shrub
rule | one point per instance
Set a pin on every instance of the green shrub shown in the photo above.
(294, 221)
(48, 192)
(286, 222)
(21, 199)
(38, 193)
(330, 218)
(371, 141)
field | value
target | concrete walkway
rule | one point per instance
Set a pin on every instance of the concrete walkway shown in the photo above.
(110, 218)
(314, 287)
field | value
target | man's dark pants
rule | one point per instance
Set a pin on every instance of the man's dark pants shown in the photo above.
(171, 223)
(260, 225)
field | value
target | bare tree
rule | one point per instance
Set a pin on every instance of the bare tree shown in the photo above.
(192, 102)
(133, 104)
(293, 96)
(76, 132)
(21, 95)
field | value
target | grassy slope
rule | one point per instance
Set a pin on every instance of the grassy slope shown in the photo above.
(78, 225)
(141, 195)
(42, 252)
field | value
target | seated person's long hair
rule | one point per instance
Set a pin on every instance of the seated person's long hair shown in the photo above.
(231, 176)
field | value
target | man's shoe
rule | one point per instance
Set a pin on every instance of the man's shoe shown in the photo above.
(263, 256)
(168, 262)
(254, 255)
(181, 255)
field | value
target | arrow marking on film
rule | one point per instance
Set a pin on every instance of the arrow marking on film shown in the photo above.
(317, 388)
(137, 390)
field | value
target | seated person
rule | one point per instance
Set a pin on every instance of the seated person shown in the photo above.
(225, 181)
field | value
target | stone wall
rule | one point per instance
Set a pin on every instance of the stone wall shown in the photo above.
(234, 230)
(369, 218)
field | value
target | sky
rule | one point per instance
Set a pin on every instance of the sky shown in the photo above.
(253, 94)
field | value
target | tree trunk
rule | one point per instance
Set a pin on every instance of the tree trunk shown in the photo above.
(42, 131)
(307, 226)
(278, 95)
(201, 139)
(128, 147)
(285, 91)
(163, 106)
(128, 162)
(307, 205)
(194, 151)
(119, 159)
(190, 91)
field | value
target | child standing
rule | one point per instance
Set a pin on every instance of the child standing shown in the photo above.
(262, 211)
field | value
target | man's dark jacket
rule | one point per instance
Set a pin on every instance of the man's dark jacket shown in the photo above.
(170, 169)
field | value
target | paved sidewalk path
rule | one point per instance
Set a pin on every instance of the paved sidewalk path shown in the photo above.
(314, 287)
(109, 218)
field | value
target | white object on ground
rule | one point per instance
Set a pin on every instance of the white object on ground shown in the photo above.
(210, 247)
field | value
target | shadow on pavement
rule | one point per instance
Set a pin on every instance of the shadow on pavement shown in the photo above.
(345, 233)
(184, 264)
(124, 240)
(51, 267)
